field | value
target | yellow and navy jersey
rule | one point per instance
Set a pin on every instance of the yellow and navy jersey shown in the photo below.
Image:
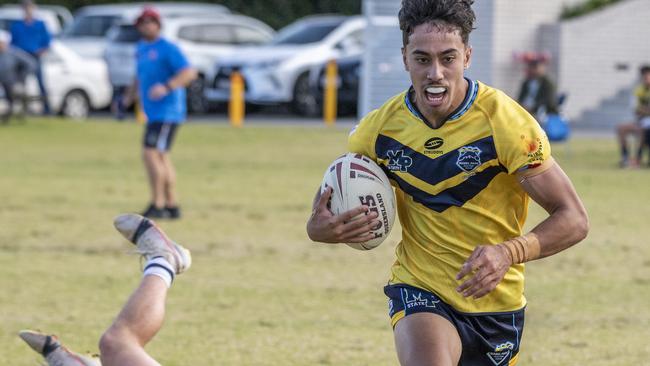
(456, 187)
(642, 96)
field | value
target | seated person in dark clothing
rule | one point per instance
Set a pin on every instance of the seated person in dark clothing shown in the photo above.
(15, 65)
(537, 93)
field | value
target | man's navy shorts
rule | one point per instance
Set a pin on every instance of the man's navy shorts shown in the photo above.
(490, 339)
(160, 135)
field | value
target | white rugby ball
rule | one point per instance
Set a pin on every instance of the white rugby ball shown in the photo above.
(356, 180)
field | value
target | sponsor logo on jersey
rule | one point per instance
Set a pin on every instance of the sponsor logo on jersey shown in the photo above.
(535, 150)
(469, 158)
(501, 353)
(398, 162)
(434, 143)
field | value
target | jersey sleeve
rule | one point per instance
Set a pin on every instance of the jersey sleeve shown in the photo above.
(177, 59)
(522, 145)
(363, 136)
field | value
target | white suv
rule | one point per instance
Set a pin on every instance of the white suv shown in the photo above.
(74, 86)
(204, 40)
(87, 33)
(279, 72)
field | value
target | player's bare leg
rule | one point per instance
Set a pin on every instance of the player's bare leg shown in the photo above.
(170, 180)
(623, 131)
(155, 167)
(427, 339)
(143, 315)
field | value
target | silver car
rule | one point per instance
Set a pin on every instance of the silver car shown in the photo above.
(278, 73)
(204, 40)
(87, 33)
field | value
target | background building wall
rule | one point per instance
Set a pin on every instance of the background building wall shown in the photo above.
(600, 53)
(593, 57)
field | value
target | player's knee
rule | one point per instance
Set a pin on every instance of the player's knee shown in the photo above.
(110, 341)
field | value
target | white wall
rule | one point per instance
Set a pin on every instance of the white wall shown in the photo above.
(482, 42)
(516, 25)
(383, 69)
(592, 46)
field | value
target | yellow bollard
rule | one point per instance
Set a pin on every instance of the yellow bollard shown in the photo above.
(236, 106)
(329, 104)
(140, 117)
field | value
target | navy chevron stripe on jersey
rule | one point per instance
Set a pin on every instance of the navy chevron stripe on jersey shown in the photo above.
(454, 196)
(433, 171)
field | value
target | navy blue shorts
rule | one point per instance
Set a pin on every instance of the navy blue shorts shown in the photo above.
(490, 339)
(160, 135)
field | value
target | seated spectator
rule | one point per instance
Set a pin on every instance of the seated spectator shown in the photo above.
(640, 127)
(15, 65)
(537, 92)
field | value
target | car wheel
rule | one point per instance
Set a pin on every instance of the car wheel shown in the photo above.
(196, 102)
(76, 105)
(304, 100)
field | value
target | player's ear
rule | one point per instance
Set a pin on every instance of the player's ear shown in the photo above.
(468, 56)
(406, 65)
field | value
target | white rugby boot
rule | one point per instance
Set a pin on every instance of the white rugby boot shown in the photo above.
(48, 346)
(152, 242)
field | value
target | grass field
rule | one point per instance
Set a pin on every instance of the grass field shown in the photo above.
(259, 292)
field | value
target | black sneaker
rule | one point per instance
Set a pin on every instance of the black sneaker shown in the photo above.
(154, 212)
(173, 212)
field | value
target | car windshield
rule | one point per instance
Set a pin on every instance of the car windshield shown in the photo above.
(305, 32)
(91, 26)
(125, 34)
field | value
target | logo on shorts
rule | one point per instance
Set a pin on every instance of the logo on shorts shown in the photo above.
(501, 353)
(414, 299)
(399, 162)
(469, 158)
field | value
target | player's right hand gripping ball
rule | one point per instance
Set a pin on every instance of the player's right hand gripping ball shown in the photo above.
(357, 180)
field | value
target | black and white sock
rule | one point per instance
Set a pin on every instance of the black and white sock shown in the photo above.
(160, 267)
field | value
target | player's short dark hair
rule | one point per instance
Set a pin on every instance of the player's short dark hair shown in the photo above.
(644, 69)
(452, 14)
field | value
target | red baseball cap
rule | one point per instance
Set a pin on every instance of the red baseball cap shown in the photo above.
(148, 13)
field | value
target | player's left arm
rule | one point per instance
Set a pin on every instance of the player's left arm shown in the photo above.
(566, 225)
(184, 73)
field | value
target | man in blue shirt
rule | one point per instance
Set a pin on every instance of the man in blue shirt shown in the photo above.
(31, 36)
(15, 65)
(163, 72)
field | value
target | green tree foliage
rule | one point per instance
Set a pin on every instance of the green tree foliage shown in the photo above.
(276, 13)
(585, 8)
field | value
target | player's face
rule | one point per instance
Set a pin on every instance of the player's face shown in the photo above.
(436, 59)
(646, 78)
(29, 11)
(149, 29)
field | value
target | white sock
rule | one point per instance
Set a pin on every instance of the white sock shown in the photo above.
(160, 267)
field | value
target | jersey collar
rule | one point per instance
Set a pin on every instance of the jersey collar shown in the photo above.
(470, 97)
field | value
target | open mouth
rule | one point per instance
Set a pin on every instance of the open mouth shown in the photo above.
(435, 94)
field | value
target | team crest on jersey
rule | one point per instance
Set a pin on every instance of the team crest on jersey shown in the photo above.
(469, 158)
(398, 162)
(501, 353)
